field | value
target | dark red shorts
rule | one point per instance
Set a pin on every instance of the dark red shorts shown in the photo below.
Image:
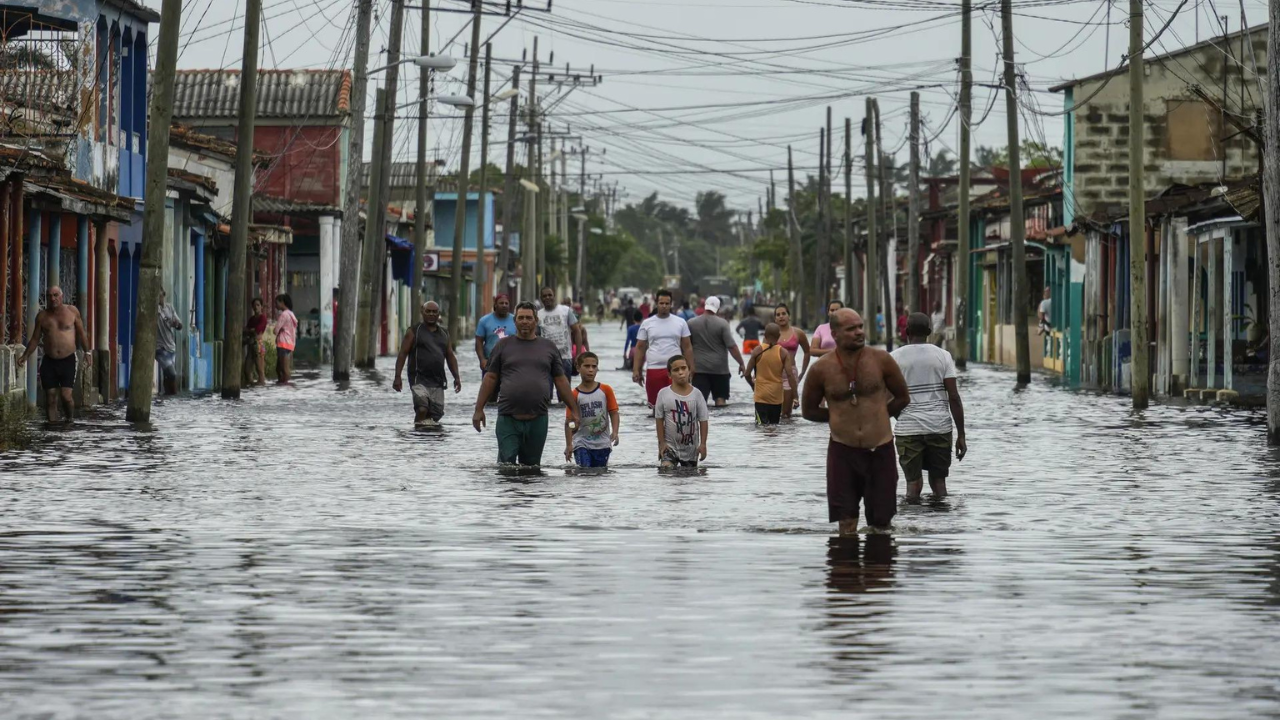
(856, 475)
(654, 380)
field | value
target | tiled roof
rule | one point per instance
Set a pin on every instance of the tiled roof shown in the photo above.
(198, 180)
(284, 206)
(281, 94)
(185, 135)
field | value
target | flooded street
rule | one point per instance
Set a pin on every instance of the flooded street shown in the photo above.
(305, 553)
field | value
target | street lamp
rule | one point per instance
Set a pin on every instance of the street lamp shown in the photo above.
(426, 62)
(505, 95)
(458, 101)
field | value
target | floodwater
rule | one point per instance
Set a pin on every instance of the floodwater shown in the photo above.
(304, 553)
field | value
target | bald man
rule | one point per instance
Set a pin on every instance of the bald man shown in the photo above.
(57, 330)
(428, 345)
(863, 387)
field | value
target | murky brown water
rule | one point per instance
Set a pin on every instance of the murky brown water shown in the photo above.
(304, 554)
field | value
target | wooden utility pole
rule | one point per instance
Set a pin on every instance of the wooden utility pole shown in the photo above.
(1140, 378)
(828, 229)
(464, 172)
(821, 250)
(888, 228)
(509, 186)
(793, 235)
(962, 249)
(1271, 197)
(241, 204)
(533, 233)
(580, 276)
(420, 177)
(374, 224)
(913, 211)
(481, 272)
(349, 253)
(142, 369)
(870, 284)
(1017, 226)
(851, 272)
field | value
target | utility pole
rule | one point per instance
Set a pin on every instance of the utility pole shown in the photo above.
(420, 177)
(913, 211)
(375, 215)
(850, 272)
(509, 185)
(1017, 226)
(564, 199)
(349, 254)
(1271, 196)
(962, 250)
(464, 172)
(1140, 378)
(142, 369)
(821, 250)
(793, 235)
(582, 235)
(888, 225)
(482, 284)
(241, 203)
(375, 230)
(871, 286)
(534, 231)
(828, 228)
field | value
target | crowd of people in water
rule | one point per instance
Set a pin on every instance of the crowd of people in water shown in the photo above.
(530, 354)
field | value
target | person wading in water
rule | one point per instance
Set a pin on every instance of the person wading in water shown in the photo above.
(863, 387)
(57, 330)
(923, 434)
(426, 347)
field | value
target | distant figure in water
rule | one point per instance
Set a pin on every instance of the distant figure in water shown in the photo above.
(923, 434)
(770, 364)
(863, 387)
(427, 349)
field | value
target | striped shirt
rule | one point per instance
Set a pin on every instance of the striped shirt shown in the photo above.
(925, 367)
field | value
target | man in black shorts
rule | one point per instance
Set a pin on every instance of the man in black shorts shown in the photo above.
(713, 343)
(57, 330)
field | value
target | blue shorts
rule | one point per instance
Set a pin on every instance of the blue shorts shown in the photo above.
(587, 457)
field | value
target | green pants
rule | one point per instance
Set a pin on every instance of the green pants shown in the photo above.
(521, 440)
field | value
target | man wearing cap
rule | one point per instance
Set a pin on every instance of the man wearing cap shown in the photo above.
(492, 328)
(713, 342)
(924, 428)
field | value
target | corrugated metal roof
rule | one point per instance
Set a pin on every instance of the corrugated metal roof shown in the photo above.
(298, 93)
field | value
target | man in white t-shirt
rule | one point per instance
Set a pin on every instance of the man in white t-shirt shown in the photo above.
(560, 325)
(923, 433)
(661, 336)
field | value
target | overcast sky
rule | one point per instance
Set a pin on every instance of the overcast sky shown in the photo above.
(692, 88)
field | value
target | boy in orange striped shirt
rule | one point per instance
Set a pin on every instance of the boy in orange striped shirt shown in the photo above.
(590, 444)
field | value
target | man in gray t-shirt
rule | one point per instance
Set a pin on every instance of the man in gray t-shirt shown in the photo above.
(713, 343)
(521, 371)
(167, 345)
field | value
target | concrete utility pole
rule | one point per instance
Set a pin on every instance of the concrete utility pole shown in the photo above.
(582, 235)
(870, 285)
(509, 186)
(851, 272)
(1271, 196)
(375, 215)
(533, 272)
(962, 249)
(241, 205)
(142, 369)
(349, 253)
(464, 170)
(828, 229)
(481, 280)
(1140, 378)
(888, 226)
(821, 250)
(420, 177)
(793, 235)
(1017, 225)
(913, 211)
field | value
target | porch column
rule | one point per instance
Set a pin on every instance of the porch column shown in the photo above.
(33, 293)
(55, 250)
(1227, 323)
(102, 310)
(82, 267)
(1211, 314)
(328, 251)
(1178, 310)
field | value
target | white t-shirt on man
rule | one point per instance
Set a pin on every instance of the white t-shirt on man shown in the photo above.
(925, 366)
(557, 325)
(663, 336)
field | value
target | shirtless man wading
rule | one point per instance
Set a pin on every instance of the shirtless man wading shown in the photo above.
(57, 329)
(863, 387)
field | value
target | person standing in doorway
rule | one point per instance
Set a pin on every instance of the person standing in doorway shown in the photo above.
(590, 443)
(57, 330)
(794, 341)
(493, 327)
(560, 325)
(1044, 313)
(255, 349)
(903, 314)
(682, 419)
(923, 433)
(167, 344)
(823, 341)
(768, 367)
(937, 325)
(522, 369)
(427, 348)
(286, 338)
(713, 343)
(863, 387)
(660, 337)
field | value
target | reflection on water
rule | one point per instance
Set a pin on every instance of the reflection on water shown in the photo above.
(304, 553)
